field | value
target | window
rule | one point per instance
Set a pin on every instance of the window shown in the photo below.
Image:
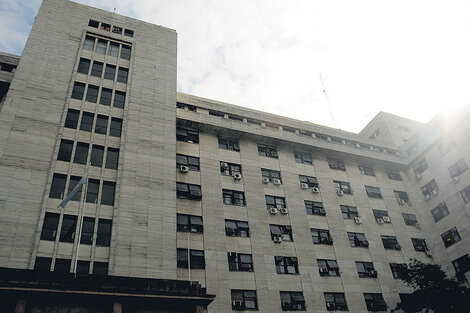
(97, 153)
(466, 194)
(116, 126)
(271, 175)
(196, 258)
(188, 191)
(357, 240)
(89, 43)
(349, 212)
(328, 267)
(93, 23)
(187, 135)
(101, 46)
(237, 228)
(366, 170)
(336, 164)
(100, 268)
(109, 72)
(393, 174)
(74, 180)
(450, 237)
(275, 202)
(375, 302)
(112, 158)
(106, 95)
(71, 121)
(78, 91)
(122, 75)
(42, 264)
(419, 244)
(292, 301)
(107, 196)
(185, 160)
(117, 30)
(458, 168)
(379, 215)
(398, 270)
(119, 99)
(286, 265)
(69, 226)
(92, 191)
(402, 197)
(233, 197)
(97, 69)
(87, 121)
(92, 94)
(281, 232)
(410, 219)
(430, 189)
(101, 124)
(440, 212)
(390, 242)
(314, 208)
(128, 33)
(309, 180)
(343, 186)
(49, 227)
(373, 192)
(244, 300)
(81, 153)
(303, 157)
(103, 236)
(240, 262)
(83, 267)
(335, 301)
(83, 66)
(65, 150)
(105, 27)
(229, 144)
(58, 186)
(230, 169)
(88, 228)
(269, 151)
(462, 264)
(365, 269)
(420, 166)
(125, 52)
(189, 223)
(62, 265)
(321, 236)
(446, 146)
(113, 50)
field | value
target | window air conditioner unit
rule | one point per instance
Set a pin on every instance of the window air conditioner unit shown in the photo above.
(418, 176)
(284, 211)
(277, 239)
(265, 180)
(224, 165)
(372, 273)
(427, 197)
(303, 185)
(397, 247)
(315, 190)
(401, 201)
(322, 212)
(184, 169)
(386, 219)
(236, 147)
(380, 221)
(358, 220)
(274, 153)
(456, 179)
(339, 192)
(276, 181)
(237, 176)
(273, 211)
(434, 192)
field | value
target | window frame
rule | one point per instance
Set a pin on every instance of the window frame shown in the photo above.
(296, 301)
(451, 237)
(237, 264)
(358, 240)
(239, 229)
(189, 161)
(349, 212)
(187, 135)
(373, 192)
(323, 236)
(303, 157)
(286, 265)
(345, 187)
(267, 151)
(243, 296)
(336, 164)
(233, 197)
(284, 232)
(231, 169)
(193, 192)
(231, 144)
(194, 223)
(330, 265)
(366, 170)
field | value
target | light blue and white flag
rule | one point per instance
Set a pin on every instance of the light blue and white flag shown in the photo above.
(75, 190)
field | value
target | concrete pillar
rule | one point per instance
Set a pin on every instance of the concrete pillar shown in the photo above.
(20, 306)
(117, 308)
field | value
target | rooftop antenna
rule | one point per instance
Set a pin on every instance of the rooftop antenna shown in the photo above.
(328, 100)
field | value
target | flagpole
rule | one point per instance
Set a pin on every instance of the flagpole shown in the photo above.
(80, 225)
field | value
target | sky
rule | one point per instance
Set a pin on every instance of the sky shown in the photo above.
(405, 57)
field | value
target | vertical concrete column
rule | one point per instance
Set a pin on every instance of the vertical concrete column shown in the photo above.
(117, 308)
(20, 306)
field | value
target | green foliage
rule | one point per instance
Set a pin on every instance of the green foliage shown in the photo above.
(433, 291)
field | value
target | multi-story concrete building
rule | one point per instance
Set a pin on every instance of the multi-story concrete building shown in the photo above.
(265, 212)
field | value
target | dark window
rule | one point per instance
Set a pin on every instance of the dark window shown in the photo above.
(342, 186)
(462, 264)
(336, 164)
(110, 72)
(292, 301)
(100, 268)
(42, 264)
(101, 46)
(458, 168)
(450, 237)
(229, 144)
(122, 75)
(275, 202)
(97, 69)
(97, 153)
(116, 126)
(188, 191)
(365, 269)
(366, 170)
(113, 50)
(128, 33)
(240, 262)
(237, 228)
(119, 99)
(430, 189)
(69, 226)
(125, 52)
(58, 186)
(420, 166)
(89, 43)
(83, 66)
(106, 95)
(187, 135)
(87, 121)
(65, 150)
(71, 121)
(314, 208)
(375, 302)
(101, 124)
(303, 157)
(107, 196)
(328, 267)
(357, 240)
(74, 180)
(349, 212)
(390, 242)
(189, 223)
(271, 175)
(117, 30)
(78, 91)
(402, 197)
(112, 158)
(281, 232)
(419, 244)
(92, 94)
(244, 300)
(466, 194)
(335, 301)
(93, 23)
(373, 192)
(446, 146)
(393, 174)
(230, 169)
(321, 236)
(105, 27)
(410, 219)
(381, 216)
(88, 229)
(62, 265)
(185, 160)
(83, 267)
(308, 180)
(81, 153)
(398, 270)
(233, 197)
(92, 191)
(440, 212)
(196, 258)
(269, 151)
(49, 227)
(286, 265)
(103, 236)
